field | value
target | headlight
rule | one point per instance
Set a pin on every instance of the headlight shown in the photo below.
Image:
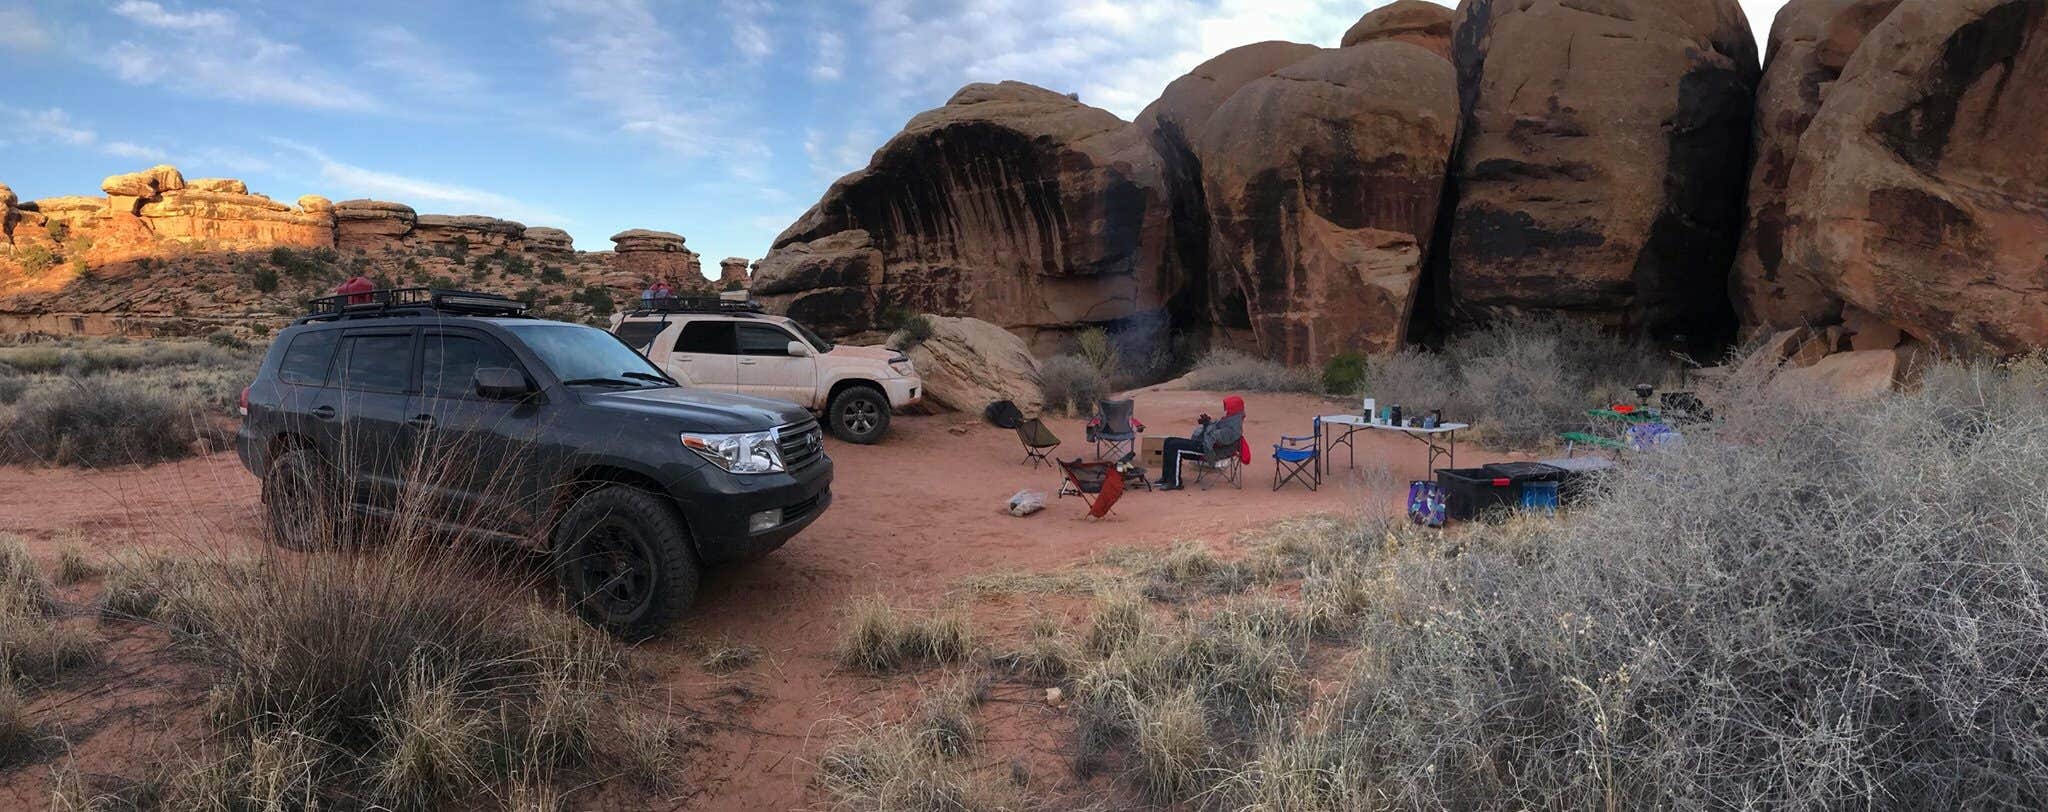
(750, 453)
(901, 366)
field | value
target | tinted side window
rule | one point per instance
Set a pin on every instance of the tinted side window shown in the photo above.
(377, 363)
(714, 337)
(760, 339)
(640, 335)
(305, 361)
(448, 363)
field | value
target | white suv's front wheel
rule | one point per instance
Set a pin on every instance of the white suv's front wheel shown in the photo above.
(858, 414)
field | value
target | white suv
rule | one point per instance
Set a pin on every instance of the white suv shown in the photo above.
(730, 346)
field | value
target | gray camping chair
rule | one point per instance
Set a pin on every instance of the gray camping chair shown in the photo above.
(1115, 430)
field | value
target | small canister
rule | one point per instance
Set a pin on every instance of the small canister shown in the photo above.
(1394, 415)
(1370, 414)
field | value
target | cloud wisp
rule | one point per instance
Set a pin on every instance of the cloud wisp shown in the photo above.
(182, 50)
(346, 178)
(56, 126)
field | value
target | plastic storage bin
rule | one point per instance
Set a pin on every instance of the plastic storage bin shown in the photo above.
(1579, 475)
(1475, 493)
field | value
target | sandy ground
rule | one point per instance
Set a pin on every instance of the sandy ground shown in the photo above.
(914, 517)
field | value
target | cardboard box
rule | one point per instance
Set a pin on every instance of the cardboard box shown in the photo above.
(1152, 454)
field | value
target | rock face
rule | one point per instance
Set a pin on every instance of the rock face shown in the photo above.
(732, 273)
(1596, 180)
(222, 185)
(548, 242)
(1010, 203)
(1916, 193)
(235, 220)
(1810, 43)
(651, 256)
(1416, 22)
(372, 225)
(476, 231)
(1323, 183)
(145, 184)
(967, 364)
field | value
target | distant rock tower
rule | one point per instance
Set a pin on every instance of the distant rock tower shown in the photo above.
(650, 256)
(732, 273)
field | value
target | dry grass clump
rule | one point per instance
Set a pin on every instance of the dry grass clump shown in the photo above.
(74, 566)
(879, 640)
(1049, 656)
(95, 423)
(404, 676)
(1190, 570)
(1234, 371)
(726, 656)
(34, 646)
(919, 766)
(1071, 385)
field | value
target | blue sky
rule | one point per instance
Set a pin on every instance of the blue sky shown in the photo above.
(721, 120)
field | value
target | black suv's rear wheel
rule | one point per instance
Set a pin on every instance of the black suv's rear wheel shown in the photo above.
(623, 559)
(300, 508)
(859, 414)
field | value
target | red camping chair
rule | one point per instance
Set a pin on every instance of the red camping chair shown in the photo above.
(1099, 484)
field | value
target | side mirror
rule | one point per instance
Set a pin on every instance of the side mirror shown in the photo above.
(798, 349)
(500, 383)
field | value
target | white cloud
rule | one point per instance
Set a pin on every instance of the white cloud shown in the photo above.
(398, 52)
(183, 51)
(125, 149)
(832, 157)
(55, 126)
(749, 34)
(21, 31)
(350, 179)
(831, 52)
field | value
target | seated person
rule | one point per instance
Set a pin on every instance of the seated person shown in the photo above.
(1210, 438)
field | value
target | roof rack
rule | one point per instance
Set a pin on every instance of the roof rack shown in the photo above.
(386, 302)
(695, 304)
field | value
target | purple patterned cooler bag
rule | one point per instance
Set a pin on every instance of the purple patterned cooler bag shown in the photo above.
(1426, 503)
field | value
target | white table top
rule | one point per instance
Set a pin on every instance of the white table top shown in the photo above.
(1359, 421)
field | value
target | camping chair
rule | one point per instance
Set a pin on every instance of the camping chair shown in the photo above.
(1099, 484)
(1223, 462)
(1297, 459)
(1116, 429)
(1038, 441)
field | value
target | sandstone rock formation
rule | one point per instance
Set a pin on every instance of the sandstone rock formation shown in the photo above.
(548, 242)
(1858, 374)
(1915, 195)
(732, 273)
(1810, 43)
(315, 203)
(372, 225)
(222, 185)
(475, 231)
(147, 183)
(1416, 22)
(651, 256)
(234, 219)
(1596, 176)
(967, 364)
(1323, 183)
(1010, 203)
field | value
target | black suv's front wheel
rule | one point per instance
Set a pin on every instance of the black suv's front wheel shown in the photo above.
(623, 559)
(858, 414)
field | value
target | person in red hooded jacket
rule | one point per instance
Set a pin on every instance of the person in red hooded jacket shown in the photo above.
(1211, 437)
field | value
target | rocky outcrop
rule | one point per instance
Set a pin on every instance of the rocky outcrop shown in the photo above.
(732, 273)
(829, 283)
(658, 256)
(548, 242)
(147, 183)
(315, 204)
(1595, 173)
(231, 220)
(1416, 22)
(1915, 195)
(967, 364)
(474, 231)
(372, 226)
(1010, 203)
(1323, 183)
(1810, 44)
(228, 186)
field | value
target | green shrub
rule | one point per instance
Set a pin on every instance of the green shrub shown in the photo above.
(598, 298)
(553, 275)
(1344, 374)
(35, 259)
(1071, 385)
(94, 423)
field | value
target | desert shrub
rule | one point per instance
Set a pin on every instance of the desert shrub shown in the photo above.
(1071, 385)
(878, 639)
(920, 765)
(598, 298)
(912, 330)
(264, 280)
(96, 423)
(549, 274)
(12, 387)
(34, 646)
(35, 259)
(226, 340)
(1095, 346)
(1344, 374)
(1233, 371)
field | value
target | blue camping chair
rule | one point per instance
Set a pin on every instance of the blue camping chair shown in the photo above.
(1298, 459)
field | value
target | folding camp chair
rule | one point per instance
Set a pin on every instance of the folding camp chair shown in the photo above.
(1099, 484)
(1116, 429)
(1038, 441)
(1223, 462)
(1295, 460)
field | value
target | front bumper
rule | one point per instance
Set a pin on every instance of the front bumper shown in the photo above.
(717, 506)
(903, 392)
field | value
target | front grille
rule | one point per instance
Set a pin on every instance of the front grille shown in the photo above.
(801, 509)
(801, 445)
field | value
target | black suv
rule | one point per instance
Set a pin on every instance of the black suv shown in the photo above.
(454, 411)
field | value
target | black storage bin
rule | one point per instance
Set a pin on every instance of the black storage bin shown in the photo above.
(1475, 493)
(1522, 472)
(1578, 476)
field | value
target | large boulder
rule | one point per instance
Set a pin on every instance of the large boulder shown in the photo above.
(553, 243)
(146, 184)
(222, 185)
(830, 283)
(1173, 125)
(475, 231)
(1323, 183)
(1859, 374)
(1010, 203)
(1416, 22)
(1810, 43)
(659, 256)
(1600, 169)
(372, 225)
(1916, 195)
(967, 364)
(235, 220)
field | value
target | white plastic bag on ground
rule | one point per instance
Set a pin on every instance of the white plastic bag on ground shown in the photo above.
(1027, 502)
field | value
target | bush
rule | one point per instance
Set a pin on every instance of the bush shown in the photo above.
(914, 329)
(35, 259)
(879, 640)
(1233, 371)
(1096, 347)
(551, 274)
(599, 299)
(94, 423)
(1344, 374)
(1071, 385)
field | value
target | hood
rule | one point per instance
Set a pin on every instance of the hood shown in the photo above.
(880, 354)
(701, 411)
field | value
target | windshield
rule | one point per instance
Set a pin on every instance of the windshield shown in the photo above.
(821, 344)
(588, 356)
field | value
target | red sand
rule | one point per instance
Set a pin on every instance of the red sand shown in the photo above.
(913, 517)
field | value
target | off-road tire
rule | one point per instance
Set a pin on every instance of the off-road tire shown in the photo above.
(300, 507)
(632, 545)
(858, 414)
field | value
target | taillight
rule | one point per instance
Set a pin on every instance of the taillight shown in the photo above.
(245, 401)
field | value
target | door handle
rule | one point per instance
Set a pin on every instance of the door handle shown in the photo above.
(324, 412)
(425, 421)
(747, 362)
